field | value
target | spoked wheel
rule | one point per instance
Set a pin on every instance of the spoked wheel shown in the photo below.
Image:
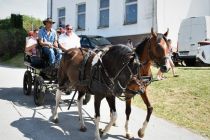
(27, 83)
(38, 91)
(86, 99)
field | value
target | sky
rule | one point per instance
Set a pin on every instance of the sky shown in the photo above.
(35, 8)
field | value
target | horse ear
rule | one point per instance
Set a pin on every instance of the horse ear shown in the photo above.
(166, 33)
(153, 33)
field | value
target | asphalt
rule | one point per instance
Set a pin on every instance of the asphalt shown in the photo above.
(20, 119)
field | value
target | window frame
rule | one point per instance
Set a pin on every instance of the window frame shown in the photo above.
(125, 17)
(80, 13)
(99, 14)
(60, 17)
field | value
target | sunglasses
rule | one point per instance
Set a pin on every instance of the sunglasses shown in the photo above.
(69, 29)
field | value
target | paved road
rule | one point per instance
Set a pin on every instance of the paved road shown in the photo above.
(20, 119)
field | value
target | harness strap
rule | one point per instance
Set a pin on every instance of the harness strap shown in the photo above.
(83, 64)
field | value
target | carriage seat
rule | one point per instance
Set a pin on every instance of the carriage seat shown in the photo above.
(37, 61)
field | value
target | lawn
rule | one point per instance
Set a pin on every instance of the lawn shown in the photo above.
(184, 100)
(16, 61)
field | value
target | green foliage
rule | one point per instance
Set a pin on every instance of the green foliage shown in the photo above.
(13, 32)
(15, 61)
(30, 22)
(5, 24)
(16, 21)
(12, 42)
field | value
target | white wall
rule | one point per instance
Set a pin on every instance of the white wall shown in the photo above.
(116, 17)
(170, 13)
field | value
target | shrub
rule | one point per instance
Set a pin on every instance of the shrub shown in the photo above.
(12, 41)
(13, 32)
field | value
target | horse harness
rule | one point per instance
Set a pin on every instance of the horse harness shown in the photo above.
(100, 81)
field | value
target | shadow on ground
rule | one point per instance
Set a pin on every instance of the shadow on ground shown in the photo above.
(67, 129)
(15, 95)
(41, 128)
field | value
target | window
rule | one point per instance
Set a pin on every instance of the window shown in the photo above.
(81, 9)
(130, 12)
(61, 17)
(104, 13)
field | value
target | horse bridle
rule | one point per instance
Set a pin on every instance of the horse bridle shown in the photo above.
(156, 60)
(126, 65)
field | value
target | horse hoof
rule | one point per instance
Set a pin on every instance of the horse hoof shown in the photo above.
(140, 133)
(55, 120)
(127, 136)
(114, 124)
(83, 129)
(101, 132)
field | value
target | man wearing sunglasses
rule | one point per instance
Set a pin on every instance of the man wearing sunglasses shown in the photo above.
(69, 39)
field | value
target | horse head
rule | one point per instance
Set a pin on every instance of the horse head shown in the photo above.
(155, 49)
(158, 50)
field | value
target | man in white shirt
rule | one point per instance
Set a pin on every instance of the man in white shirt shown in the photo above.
(69, 39)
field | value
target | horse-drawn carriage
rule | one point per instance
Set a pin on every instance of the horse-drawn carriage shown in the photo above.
(117, 71)
(40, 78)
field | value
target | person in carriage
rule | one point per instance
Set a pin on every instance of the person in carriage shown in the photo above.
(69, 39)
(31, 53)
(47, 38)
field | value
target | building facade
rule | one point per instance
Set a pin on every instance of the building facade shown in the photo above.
(122, 19)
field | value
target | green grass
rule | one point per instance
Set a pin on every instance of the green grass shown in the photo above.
(184, 100)
(16, 61)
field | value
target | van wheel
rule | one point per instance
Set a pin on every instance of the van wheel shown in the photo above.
(190, 62)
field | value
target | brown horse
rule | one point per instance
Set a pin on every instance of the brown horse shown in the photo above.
(152, 49)
(107, 76)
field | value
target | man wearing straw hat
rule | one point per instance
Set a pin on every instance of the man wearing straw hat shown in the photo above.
(48, 40)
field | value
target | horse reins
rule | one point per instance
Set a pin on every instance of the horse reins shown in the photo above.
(126, 65)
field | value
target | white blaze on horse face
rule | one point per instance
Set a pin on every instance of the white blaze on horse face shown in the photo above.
(164, 45)
(97, 134)
(96, 58)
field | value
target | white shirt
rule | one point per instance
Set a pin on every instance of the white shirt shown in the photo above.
(68, 42)
(30, 41)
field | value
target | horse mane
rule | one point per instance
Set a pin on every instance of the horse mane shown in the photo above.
(116, 56)
(140, 46)
(119, 51)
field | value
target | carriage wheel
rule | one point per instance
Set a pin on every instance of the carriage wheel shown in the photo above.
(38, 91)
(27, 83)
(86, 99)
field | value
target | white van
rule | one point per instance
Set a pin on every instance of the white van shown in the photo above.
(191, 32)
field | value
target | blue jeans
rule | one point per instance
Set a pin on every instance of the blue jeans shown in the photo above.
(53, 55)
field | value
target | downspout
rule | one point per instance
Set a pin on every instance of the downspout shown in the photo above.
(154, 18)
(51, 6)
